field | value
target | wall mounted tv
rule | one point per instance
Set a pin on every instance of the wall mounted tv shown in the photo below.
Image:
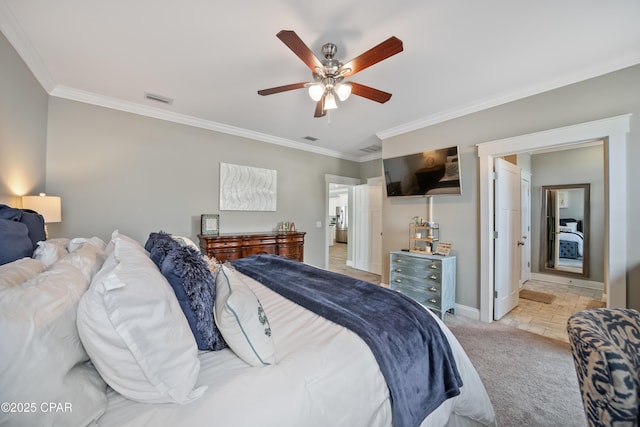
(429, 173)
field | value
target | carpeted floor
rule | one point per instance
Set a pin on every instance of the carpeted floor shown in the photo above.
(530, 379)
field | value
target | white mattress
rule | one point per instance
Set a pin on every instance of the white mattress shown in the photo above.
(325, 375)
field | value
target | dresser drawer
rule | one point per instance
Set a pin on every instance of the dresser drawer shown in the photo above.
(432, 301)
(413, 285)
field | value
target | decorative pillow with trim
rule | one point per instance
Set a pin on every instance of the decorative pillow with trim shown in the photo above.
(242, 319)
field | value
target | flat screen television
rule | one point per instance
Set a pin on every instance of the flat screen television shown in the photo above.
(429, 173)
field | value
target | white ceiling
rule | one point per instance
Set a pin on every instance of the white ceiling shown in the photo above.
(211, 57)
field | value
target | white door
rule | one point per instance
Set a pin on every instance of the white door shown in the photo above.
(360, 227)
(507, 225)
(367, 228)
(525, 194)
(375, 211)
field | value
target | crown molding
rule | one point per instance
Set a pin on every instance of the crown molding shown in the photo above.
(12, 30)
(598, 69)
(170, 116)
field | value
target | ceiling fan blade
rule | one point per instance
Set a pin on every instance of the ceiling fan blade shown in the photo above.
(295, 43)
(384, 50)
(369, 93)
(279, 89)
(320, 111)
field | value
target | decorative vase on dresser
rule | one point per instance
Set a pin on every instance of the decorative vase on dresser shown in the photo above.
(428, 279)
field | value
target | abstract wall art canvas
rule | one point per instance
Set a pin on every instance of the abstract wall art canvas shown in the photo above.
(246, 188)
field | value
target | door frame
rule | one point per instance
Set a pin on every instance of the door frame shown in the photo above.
(613, 131)
(334, 179)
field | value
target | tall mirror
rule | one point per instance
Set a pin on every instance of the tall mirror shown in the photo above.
(564, 232)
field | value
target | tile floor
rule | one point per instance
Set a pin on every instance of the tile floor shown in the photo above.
(551, 319)
(544, 319)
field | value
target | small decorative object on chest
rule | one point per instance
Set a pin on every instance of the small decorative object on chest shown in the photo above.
(428, 279)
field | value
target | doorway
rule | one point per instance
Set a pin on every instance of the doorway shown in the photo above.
(343, 206)
(613, 131)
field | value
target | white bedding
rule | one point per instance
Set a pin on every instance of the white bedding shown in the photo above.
(314, 358)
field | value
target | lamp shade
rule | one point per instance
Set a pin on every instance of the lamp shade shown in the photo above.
(343, 90)
(316, 91)
(47, 206)
(330, 102)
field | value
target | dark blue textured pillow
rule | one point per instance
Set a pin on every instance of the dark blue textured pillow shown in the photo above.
(14, 241)
(35, 223)
(32, 219)
(194, 286)
(158, 245)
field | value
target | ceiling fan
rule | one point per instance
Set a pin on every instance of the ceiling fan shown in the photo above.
(329, 73)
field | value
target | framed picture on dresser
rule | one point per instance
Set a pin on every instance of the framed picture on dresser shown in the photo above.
(209, 224)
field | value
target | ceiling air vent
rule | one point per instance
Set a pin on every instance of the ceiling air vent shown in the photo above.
(310, 138)
(371, 149)
(158, 98)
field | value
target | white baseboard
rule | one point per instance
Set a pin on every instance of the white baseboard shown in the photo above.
(564, 280)
(466, 311)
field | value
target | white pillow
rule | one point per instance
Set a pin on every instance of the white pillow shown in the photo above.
(41, 357)
(573, 226)
(241, 319)
(75, 243)
(88, 258)
(19, 271)
(50, 251)
(132, 326)
(185, 241)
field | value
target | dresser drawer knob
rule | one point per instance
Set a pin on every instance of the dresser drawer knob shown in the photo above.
(398, 281)
(433, 266)
(433, 277)
(432, 289)
(398, 270)
(432, 300)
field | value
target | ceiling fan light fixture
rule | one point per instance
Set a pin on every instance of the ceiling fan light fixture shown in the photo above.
(316, 91)
(330, 102)
(343, 90)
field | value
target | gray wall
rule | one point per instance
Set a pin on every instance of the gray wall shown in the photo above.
(605, 96)
(117, 170)
(23, 128)
(578, 166)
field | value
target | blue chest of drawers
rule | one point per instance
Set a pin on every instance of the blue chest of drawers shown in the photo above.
(428, 279)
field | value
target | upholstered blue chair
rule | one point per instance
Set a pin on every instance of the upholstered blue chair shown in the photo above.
(605, 343)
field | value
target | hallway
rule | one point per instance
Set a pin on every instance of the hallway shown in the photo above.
(338, 264)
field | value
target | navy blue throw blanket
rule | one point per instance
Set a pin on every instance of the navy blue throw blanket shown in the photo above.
(408, 344)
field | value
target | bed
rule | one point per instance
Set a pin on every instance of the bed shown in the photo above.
(124, 334)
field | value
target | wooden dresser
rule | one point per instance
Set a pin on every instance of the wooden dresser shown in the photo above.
(230, 246)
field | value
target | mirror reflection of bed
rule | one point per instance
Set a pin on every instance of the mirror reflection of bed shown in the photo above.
(565, 229)
(570, 245)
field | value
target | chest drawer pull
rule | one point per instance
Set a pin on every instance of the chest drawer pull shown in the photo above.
(433, 277)
(432, 289)
(398, 270)
(398, 281)
(433, 266)
(432, 300)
